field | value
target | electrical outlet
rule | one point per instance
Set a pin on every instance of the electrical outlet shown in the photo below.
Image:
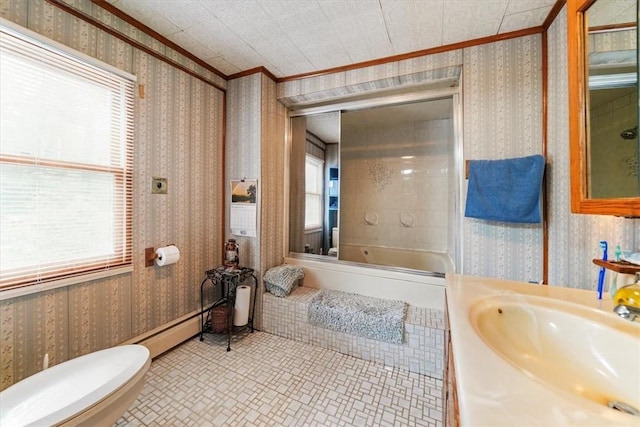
(158, 185)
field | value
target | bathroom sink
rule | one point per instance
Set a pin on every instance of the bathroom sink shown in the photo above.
(578, 351)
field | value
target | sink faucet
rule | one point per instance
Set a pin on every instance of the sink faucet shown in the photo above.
(626, 311)
(628, 300)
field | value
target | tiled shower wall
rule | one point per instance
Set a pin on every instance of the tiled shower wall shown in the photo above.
(179, 134)
(377, 181)
(614, 168)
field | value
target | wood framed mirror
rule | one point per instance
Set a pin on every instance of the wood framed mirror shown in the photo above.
(595, 152)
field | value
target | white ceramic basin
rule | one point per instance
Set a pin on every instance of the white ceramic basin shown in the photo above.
(576, 350)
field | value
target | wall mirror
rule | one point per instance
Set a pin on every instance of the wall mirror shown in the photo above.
(603, 110)
(376, 184)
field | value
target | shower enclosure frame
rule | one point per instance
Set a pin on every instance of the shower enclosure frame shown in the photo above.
(344, 105)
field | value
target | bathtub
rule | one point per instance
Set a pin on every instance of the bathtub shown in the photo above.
(437, 262)
(92, 390)
(417, 288)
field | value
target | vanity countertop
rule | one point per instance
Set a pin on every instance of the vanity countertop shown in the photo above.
(494, 392)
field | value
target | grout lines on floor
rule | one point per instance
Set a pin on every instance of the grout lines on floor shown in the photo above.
(266, 380)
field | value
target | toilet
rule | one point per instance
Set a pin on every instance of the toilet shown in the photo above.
(90, 390)
(334, 241)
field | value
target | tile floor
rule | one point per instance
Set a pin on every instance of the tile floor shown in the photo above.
(266, 380)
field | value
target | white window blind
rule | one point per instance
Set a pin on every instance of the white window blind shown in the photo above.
(66, 142)
(313, 193)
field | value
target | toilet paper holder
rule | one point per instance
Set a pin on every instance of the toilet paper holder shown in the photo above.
(150, 255)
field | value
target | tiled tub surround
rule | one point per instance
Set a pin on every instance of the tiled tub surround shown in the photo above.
(394, 183)
(422, 351)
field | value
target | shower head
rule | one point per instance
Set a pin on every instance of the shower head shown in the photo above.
(629, 133)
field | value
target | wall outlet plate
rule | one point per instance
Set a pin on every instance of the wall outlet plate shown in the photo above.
(158, 185)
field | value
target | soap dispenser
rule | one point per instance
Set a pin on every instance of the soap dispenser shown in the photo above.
(629, 295)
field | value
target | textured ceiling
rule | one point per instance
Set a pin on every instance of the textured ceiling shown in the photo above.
(291, 37)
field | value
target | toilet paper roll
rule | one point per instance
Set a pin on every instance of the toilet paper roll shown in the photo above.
(167, 255)
(241, 309)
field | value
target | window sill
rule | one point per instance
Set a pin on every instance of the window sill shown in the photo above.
(61, 283)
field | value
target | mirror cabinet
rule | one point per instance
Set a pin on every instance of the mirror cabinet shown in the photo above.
(603, 107)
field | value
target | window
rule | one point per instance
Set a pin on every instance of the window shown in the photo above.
(313, 193)
(66, 142)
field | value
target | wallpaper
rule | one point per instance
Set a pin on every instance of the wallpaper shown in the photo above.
(255, 141)
(179, 128)
(573, 239)
(502, 119)
(414, 71)
(243, 154)
(272, 174)
(297, 237)
(178, 141)
(30, 327)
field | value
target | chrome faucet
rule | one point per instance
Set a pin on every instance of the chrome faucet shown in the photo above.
(628, 300)
(626, 311)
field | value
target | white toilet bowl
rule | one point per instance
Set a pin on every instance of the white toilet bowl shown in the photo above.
(334, 241)
(90, 390)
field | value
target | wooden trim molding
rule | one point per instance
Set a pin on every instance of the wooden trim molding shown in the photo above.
(251, 71)
(117, 34)
(418, 53)
(162, 39)
(553, 14)
(577, 104)
(223, 226)
(545, 124)
(578, 108)
(150, 32)
(612, 27)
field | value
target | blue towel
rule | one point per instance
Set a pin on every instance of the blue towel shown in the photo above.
(506, 190)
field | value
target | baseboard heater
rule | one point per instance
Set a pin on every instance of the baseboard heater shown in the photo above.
(169, 335)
